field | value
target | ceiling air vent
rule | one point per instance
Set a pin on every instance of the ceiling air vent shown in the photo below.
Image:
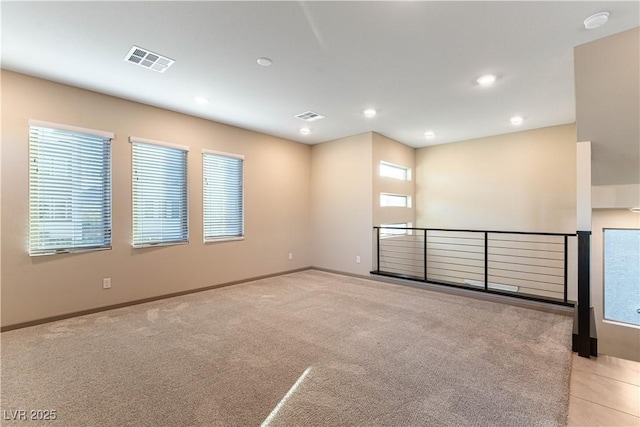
(148, 59)
(309, 116)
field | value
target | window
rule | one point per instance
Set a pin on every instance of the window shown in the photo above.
(395, 230)
(223, 196)
(69, 189)
(396, 200)
(394, 171)
(622, 275)
(160, 208)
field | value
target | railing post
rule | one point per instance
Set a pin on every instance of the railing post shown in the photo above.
(584, 293)
(425, 255)
(378, 249)
(486, 261)
(565, 267)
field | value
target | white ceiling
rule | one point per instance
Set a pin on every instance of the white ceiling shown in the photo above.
(414, 62)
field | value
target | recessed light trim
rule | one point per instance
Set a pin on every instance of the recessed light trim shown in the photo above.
(516, 120)
(369, 112)
(487, 80)
(596, 20)
(305, 131)
(201, 100)
(429, 134)
(636, 210)
(263, 61)
(147, 59)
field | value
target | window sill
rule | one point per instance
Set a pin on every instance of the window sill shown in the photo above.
(155, 245)
(614, 322)
(224, 239)
(70, 251)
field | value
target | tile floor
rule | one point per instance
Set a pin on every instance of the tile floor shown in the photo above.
(605, 391)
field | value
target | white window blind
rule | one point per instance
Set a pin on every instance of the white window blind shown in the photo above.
(160, 206)
(223, 196)
(69, 189)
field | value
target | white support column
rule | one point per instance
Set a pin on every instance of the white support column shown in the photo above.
(583, 186)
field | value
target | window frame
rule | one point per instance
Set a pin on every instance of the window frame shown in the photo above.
(168, 145)
(407, 197)
(405, 170)
(229, 238)
(407, 225)
(106, 206)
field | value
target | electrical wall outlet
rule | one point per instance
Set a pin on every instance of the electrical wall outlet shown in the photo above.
(290, 255)
(106, 283)
(358, 259)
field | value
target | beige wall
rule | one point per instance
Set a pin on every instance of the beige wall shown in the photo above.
(394, 152)
(614, 340)
(341, 200)
(607, 76)
(277, 206)
(390, 151)
(523, 181)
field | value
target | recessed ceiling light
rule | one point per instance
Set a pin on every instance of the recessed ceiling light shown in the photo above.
(202, 100)
(264, 61)
(429, 134)
(597, 20)
(305, 131)
(369, 112)
(486, 80)
(516, 120)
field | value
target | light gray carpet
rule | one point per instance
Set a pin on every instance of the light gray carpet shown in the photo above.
(361, 353)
